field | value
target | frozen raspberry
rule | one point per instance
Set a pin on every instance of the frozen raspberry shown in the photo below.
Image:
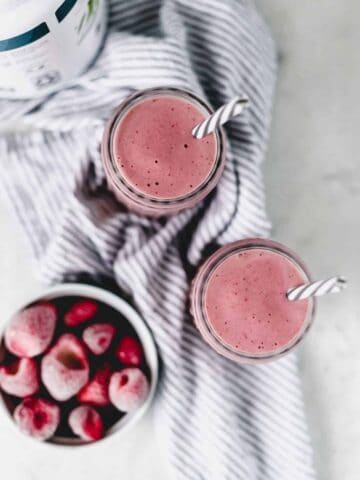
(65, 368)
(86, 423)
(128, 389)
(81, 312)
(20, 378)
(30, 331)
(37, 417)
(98, 337)
(96, 391)
(130, 352)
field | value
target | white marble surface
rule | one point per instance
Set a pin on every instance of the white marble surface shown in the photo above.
(313, 188)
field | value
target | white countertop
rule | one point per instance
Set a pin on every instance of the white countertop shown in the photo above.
(313, 190)
(312, 176)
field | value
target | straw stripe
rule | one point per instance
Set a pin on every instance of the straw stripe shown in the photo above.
(316, 289)
(241, 423)
(220, 117)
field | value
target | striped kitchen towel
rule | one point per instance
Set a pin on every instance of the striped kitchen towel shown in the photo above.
(216, 420)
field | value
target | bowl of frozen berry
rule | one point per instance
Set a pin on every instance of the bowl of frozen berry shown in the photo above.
(76, 365)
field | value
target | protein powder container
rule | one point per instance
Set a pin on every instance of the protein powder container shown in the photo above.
(44, 44)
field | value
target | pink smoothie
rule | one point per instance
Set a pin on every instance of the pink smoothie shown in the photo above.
(246, 305)
(156, 152)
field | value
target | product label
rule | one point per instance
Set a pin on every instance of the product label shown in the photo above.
(25, 38)
(39, 60)
(64, 9)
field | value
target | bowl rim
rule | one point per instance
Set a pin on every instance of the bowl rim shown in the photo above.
(129, 420)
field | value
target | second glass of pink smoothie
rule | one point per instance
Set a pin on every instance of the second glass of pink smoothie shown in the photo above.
(239, 302)
(152, 162)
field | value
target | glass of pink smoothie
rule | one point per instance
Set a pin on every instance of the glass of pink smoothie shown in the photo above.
(152, 162)
(239, 304)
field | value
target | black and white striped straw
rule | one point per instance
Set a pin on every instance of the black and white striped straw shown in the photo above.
(220, 116)
(316, 289)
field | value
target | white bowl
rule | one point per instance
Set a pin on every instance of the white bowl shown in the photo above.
(142, 330)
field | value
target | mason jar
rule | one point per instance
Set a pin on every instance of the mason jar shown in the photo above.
(239, 304)
(153, 164)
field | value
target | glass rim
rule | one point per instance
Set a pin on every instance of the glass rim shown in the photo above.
(109, 158)
(207, 269)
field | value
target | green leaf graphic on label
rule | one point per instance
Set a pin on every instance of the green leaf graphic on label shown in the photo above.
(91, 7)
(88, 16)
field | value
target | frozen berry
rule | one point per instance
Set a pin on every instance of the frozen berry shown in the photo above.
(30, 331)
(86, 423)
(96, 392)
(20, 378)
(130, 352)
(37, 417)
(98, 337)
(128, 389)
(81, 312)
(65, 368)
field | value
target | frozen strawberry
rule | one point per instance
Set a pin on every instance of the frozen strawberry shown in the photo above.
(65, 368)
(20, 378)
(37, 417)
(30, 331)
(128, 389)
(81, 312)
(98, 337)
(130, 352)
(86, 423)
(96, 392)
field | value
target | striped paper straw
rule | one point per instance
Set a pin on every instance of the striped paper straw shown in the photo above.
(315, 289)
(221, 116)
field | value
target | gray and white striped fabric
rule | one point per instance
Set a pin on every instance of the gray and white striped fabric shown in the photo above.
(215, 419)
